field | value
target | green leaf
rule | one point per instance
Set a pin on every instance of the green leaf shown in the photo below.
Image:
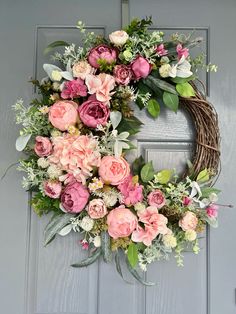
(164, 176)
(55, 225)
(106, 247)
(131, 125)
(136, 275)
(181, 80)
(203, 176)
(171, 101)
(22, 141)
(118, 266)
(137, 165)
(132, 254)
(185, 90)
(147, 172)
(88, 261)
(154, 83)
(206, 191)
(115, 117)
(55, 44)
(153, 108)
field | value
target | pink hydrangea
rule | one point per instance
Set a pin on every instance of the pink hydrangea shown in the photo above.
(77, 155)
(73, 89)
(132, 193)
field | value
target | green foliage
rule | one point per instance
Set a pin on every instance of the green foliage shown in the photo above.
(206, 191)
(185, 90)
(164, 176)
(137, 165)
(181, 80)
(153, 108)
(138, 27)
(55, 44)
(132, 254)
(88, 261)
(105, 66)
(136, 275)
(171, 101)
(203, 176)
(147, 172)
(43, 204)
(129, 124)
(106, 246)
(155, 83)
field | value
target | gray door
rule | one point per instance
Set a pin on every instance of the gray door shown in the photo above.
(39, 280)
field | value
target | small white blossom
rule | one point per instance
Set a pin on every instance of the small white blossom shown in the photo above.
(97, 241)
(87, 223)
(54, 172)
(110, 198)
(139, 206)
(169, 241)
(43, 163)
(190, 235)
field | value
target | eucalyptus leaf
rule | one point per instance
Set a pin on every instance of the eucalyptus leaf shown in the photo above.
(147, 172)
(106, 247)
(66, 230)
(55, 225)
(136, 275)
(153, 108)
(90, 260)
(22, 141)
(118, 266)
(154, 83)
(132, 254)
(171, 101)
(185, 90)
(115, 117)
(55, 44)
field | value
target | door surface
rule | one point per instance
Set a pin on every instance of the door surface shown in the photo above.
(38, 280)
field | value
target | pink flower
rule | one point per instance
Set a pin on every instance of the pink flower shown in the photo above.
(161, 51)
(156, 198)
(93, 112)
(62, 114)
(132, 193)
(189, 221)
(85, 244)
(101, 85)
(97, 208)
(74, 197)
(154, 224)
(123, 74)
(121, 222)
(73, 89)
(43, 146)
(187, 200)
(101, 52)
(113, 170)
(141, 67)
(212, 211)
(182, 51)
(77, 155)
(52, 188)
(82, 69)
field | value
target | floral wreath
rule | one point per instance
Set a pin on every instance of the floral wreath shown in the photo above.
(77, 133)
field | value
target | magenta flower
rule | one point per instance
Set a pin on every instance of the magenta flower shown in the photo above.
(182, 52)
(73, 89)
(161, 51)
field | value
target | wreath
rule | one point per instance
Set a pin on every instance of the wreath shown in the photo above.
(77, 133)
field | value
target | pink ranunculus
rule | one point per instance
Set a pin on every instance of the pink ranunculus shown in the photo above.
(97, 208)
(101, 85)
(123, 74)
(141, 67)
(43, 146)
(212, 211)
(74, 89)
(75, 154)
(63, 113)
(182, 51)
(81, 69)
(161, 51)
(121, 222)
(114, 170)
(103, 52)
(189, 221)
(93, 112)
(52, 188)
(187, 201)
(132, 193)
(74, 197)
(156, 198)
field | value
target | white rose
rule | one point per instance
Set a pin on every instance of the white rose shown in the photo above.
(119, 38)
(190, 235)
(165, 70)
(87, 223)
(169, 241)
(97, 241)
(43, 163)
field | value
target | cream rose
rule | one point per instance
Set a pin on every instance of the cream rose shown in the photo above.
(119, 38)
(82, 69)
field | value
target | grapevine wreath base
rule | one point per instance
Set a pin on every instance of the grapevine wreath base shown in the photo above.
(77, 132)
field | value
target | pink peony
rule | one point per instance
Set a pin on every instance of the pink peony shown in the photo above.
(161, 51)
(189, 221)
(93, 112)
(113, 170)
(82, 69)
(101, 52)
(187, 201)
(97, 208)
(63, 114)
(182, 51)
(132, 193)
(156, 198)
(212, 211)
(73, 89)
(101, 85)
(123, 74)
(43, 146)
(121, 222)
(141, 67)
(154, 224)
(77, 155)
(74, 197)
(52, 188)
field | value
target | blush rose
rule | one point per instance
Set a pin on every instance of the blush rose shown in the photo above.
(74, 197)
(188, 222)
(156, 198)
(52, 188)
(123, 74)
(43, 146)
(63, 114)
(97, 208)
